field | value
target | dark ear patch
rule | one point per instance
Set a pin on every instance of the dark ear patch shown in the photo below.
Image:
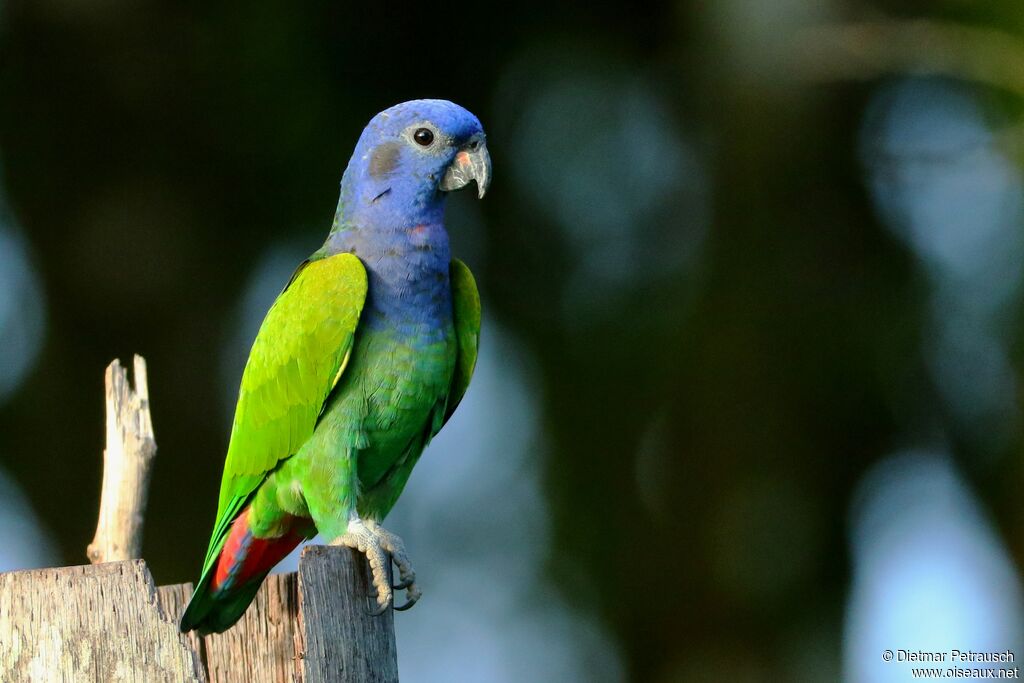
(384, 159)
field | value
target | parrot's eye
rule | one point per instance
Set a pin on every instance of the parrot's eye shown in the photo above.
(423, 136)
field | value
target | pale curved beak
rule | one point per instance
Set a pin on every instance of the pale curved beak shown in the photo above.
(472, 162)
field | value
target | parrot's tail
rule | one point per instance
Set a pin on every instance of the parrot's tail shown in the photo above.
(230, 583)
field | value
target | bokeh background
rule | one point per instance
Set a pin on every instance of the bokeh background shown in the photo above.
(748, 406)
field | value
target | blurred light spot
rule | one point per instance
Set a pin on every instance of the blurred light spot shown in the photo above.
(944, 187)
(24, 542)
(601, 152)
(596, 150)
(929, 572)
(22, 310)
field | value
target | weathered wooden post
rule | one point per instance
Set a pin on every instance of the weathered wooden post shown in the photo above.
(109, 622)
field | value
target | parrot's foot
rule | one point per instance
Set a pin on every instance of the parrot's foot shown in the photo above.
(381, 547)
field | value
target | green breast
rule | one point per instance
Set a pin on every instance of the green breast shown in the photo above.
(403, 381)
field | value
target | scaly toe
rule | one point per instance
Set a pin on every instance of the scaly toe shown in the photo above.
(363, 538)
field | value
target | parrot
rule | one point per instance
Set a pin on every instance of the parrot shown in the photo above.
(358, 364)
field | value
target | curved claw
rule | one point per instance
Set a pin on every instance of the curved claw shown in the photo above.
(403, 584)
(409, 603)
(382, 609)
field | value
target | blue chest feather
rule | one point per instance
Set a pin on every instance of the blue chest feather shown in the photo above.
(409, 291)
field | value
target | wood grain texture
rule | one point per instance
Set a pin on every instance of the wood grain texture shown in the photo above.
(263, 645)
(127, 460)
(92, 623)
(172, 600)
(341, 642)
(108, 622)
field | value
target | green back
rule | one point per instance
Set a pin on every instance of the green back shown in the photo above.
(466, 317)
(299, 355)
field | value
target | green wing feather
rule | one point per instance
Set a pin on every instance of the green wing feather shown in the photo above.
(299, 354)
(466, 314)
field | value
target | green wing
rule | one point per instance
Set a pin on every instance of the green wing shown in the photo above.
(466, 314)
(299, 355)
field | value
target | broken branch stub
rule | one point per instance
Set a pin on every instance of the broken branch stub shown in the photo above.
(127, 460)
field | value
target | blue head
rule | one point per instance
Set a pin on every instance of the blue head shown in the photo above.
(406, 160)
